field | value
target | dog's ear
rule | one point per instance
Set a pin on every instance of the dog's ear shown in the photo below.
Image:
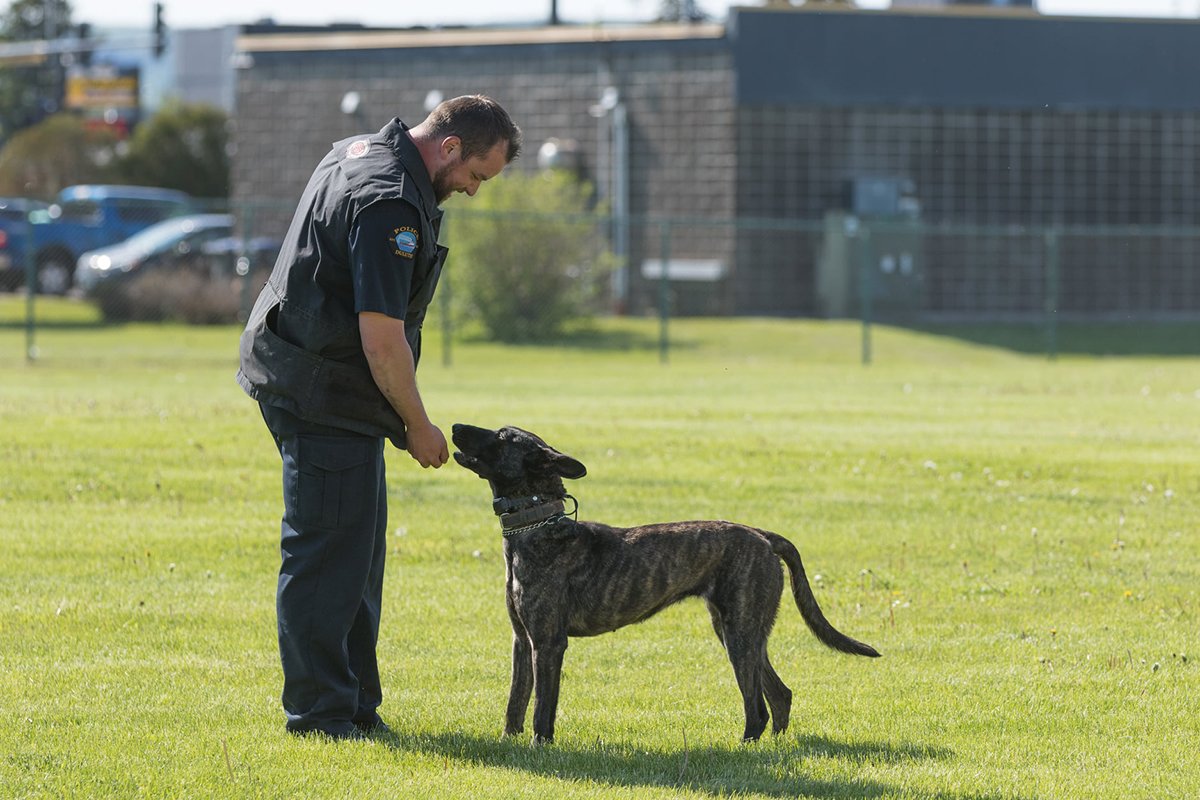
(567, 467)
(547, 459)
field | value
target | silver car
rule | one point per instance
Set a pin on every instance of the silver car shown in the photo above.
(190, 242)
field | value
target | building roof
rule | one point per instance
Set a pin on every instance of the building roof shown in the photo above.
(473, 37)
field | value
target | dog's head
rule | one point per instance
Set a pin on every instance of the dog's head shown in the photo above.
(512, 460)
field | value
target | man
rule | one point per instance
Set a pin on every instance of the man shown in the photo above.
(330, 352)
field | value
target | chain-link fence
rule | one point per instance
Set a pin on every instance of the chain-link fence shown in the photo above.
(207, 264)
(138, 254)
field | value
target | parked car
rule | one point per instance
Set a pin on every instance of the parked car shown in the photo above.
(14, 239)
(203, 243)
(88, 217)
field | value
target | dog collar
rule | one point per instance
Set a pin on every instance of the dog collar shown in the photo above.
(528, 513)
(530, 518)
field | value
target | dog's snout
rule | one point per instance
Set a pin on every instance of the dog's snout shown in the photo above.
(465, 435)
(471, 442)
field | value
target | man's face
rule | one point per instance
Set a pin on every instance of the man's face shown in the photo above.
(457, 175)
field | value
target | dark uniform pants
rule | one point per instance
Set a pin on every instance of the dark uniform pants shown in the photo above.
(331, 577)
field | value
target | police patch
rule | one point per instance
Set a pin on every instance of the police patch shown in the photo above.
(358, 149)
(404, 242)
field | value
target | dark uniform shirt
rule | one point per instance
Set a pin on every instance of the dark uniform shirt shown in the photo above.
(383, 269)
(364, 238)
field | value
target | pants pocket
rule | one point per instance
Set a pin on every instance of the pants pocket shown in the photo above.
(336, 479)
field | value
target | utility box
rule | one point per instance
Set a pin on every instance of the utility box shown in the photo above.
(872, 257)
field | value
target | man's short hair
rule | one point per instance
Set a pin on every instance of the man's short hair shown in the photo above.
(478, 121)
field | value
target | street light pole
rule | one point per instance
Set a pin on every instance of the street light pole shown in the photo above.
(613, 165)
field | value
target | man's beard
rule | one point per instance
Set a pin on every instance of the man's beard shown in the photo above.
(441, 184)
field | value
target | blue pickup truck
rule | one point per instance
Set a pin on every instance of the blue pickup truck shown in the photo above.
(83, 218)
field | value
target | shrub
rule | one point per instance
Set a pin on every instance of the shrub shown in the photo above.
(526, 256)
(59, 151)
(161, 296)
(183, 146)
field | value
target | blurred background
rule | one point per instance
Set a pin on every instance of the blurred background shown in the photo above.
(918, 162)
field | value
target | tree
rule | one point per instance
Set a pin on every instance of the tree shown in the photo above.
(30, 93)
(181, 147)
(527, 257)
(680, 11)
(59, 151)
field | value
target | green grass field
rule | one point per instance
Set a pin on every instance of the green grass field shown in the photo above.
(1017, 536)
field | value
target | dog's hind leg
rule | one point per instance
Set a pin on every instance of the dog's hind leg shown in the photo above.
(779, 696)
(753, 730)
(747, 602)
(746, 657)
(522, 684)
(747, 676)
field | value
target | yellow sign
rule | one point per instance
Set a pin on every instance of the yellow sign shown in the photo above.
(102, 92)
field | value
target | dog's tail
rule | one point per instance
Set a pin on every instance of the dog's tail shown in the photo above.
(807, 603)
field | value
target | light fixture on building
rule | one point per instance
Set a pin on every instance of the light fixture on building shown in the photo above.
(559, 154)
(351, 102)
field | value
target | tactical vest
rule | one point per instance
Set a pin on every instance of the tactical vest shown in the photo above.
(301, 350)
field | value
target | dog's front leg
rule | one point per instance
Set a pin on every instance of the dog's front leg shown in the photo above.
(547, 670)
(522, 683)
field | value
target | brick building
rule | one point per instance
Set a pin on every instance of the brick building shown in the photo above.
(1007, 121)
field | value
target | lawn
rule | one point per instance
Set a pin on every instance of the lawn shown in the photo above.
(1016, 535)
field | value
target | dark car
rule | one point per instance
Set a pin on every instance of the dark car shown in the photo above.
(14, 239)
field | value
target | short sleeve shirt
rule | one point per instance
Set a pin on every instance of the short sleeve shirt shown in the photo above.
(384, 241)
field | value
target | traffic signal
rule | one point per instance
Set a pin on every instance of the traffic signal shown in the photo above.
(160, 31)
(84, 33)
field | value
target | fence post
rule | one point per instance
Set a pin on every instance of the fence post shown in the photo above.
(443, 290)
(31, 350)
(1051, 293)
(664, 293)
(447, 323)
(865, 287)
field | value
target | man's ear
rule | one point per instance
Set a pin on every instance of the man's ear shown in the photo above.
(451, 149)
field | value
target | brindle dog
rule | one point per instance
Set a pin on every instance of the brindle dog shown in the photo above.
(567, 578)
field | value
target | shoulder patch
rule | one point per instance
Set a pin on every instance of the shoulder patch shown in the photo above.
(404, 242)
(358, 149)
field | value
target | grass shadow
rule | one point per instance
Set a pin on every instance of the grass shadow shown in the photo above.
(1075, 338)
(57, 325)
(49, 313)
(776, 768)
(598, 339)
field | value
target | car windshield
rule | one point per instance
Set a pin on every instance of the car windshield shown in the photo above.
(165, 234)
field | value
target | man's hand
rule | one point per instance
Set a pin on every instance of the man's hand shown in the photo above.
(427, 445)
(394, 371)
